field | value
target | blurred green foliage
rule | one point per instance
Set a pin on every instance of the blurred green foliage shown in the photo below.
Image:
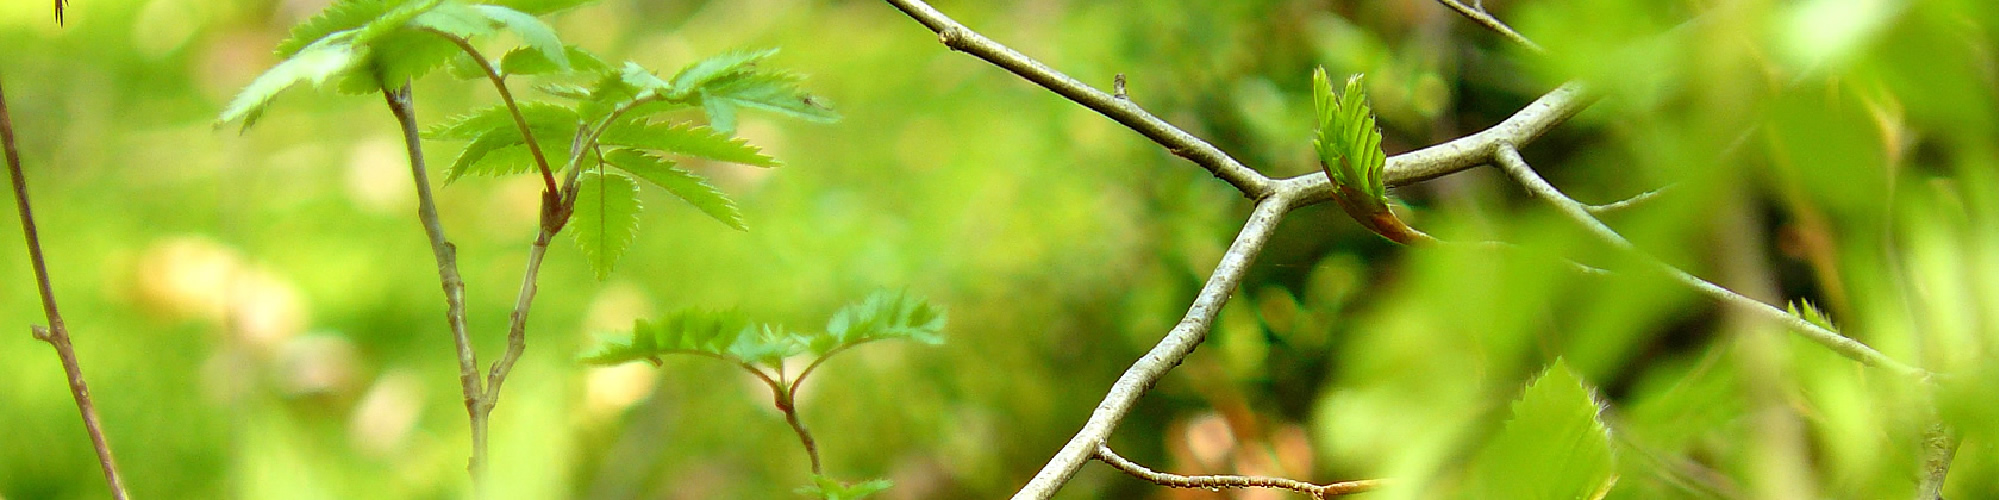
(260, 318)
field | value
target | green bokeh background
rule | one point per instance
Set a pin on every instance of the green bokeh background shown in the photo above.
(259, 315)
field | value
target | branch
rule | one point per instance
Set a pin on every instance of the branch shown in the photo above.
(1465, 152)
(1170, 350)
(454, 287)
(1511, 161)
(1940, 444)
(958, 37)
(56, 334)
(1479, 15)
(517, 330)
(1318, 491)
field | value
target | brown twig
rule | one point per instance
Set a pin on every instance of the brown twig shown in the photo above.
(400, 104)
(507, 97)
(1318, 491)
(56, 334)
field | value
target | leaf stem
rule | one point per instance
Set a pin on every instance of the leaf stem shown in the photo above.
(500, 84)
(56, 334)
(400, 104)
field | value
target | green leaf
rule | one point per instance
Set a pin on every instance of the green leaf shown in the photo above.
(532, 61)
(1804, 310)
(776, 92)
(540, 7)
(1349, 143)
(460, 20)
(342, 15)
(641, 79)
(886, 315)
(474, 124)
(322, 59)
(689, 330)
(685, 185)
(396, 57)
(701, 72)
(826, 488)
(606, 218)
(1554, 447)
(682, 139)
(532, 30)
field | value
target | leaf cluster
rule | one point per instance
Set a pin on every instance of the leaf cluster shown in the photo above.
(1348, 141)
(605, 114)
(729, 335)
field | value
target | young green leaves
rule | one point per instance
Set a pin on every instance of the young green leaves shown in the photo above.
(1553, 446)
(728, 335)
(1350, 151)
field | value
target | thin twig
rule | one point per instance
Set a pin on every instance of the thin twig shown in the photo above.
(1479, 15)
(958, 37)
(400, 104)
(507, 97)
(787, 403)
(517, 329)
(56, 334)
(1626, 203)
(1510, 160)
(1168, 353)
(1318, 491)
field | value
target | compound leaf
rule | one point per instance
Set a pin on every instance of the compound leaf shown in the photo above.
(826, 488)
(457, 19)
(533, 61)
(1349, 143)
(342, 15)
(775, 91)
(687, 186)
(606, 218)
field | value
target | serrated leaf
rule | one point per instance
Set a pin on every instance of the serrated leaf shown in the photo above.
(1349, 143)
(687, 186)
(688, 330)
(531, 29)
(342, 15)
(395, 57)
(606, 218)
(701, 72)
(776, 92)
(826, 488)
(540, 7)
(477, 123)
(565, 91)
(885, 315)
(327, 57)
(1805, 310)
(682, 139)
(766, 345)
(457, 19)
(1553, 446)
(641, 79)
(533, 61)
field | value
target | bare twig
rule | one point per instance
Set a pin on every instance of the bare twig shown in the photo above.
(1479, 15)
(1626, 203)
(787, 403)
(56, 334)
(1510, 160)
(400, 104)
(958, 37)
(517, 330)
(1168, 353)
(1318, 491)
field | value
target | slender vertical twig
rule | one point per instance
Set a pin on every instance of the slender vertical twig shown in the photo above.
(400, 104)
(1318, 491)
(56, 334)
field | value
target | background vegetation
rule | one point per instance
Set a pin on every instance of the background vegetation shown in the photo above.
(259, 317)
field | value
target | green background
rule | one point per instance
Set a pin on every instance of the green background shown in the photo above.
(259, 315)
